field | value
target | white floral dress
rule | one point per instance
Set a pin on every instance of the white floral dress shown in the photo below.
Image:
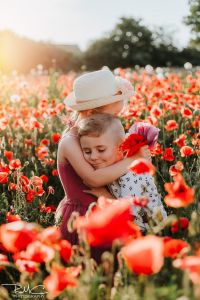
(140, 185)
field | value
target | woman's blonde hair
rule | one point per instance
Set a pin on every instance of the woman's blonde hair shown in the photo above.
(81, 114)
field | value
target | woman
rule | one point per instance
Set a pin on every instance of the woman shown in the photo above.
(94, 92)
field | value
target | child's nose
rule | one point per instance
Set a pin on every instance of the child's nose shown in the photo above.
(94, 155)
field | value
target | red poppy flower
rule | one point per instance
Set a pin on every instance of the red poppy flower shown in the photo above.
(44, 178)
(157, 150)
(47, 209)
(174, 248)
(55, 172)
(24, 181)
(3, 177)
(12, 218)
(132, 144)
(171, 125)
(179, 194)
(182, 224)
(186, 151)
(15, 164)
(60, 279)
(55, 137)
(141, 165)
(44, 142)
(175, 169)
(186, 112)
(12, 186)
(27, 266)
(180, 141)
(156, 112)
(39, 252)
(144, 255)
(168, 155)
(65, 249)
(17, 235)
(102, 227)
(8, 155)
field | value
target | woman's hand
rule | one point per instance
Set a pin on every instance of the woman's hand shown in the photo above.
(98, 192)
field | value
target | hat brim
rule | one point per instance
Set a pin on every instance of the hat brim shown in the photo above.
(71, 101)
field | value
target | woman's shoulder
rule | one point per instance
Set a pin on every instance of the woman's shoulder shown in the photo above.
(67, 138)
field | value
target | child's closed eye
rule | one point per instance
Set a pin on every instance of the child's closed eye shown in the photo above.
(87, 152)
(101, 150)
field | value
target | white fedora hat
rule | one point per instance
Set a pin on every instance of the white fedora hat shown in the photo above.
(98, 88)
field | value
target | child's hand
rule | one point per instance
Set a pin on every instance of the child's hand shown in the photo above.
(144, 152)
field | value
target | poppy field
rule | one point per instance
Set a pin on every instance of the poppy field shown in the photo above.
(34, 261)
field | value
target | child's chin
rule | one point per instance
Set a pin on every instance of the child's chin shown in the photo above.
(100, 166)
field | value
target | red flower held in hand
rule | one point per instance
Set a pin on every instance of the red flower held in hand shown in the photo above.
(102, 227)
(179, 194)
(132, 144)
(142, 165)
(144, 255)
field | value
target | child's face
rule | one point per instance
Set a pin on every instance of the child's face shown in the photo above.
(100, 151)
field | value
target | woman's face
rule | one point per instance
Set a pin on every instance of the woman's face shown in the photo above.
(113, 108)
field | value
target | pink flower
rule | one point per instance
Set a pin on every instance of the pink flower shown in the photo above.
(149, 131)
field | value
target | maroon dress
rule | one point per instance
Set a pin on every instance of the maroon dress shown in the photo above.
(75, 199)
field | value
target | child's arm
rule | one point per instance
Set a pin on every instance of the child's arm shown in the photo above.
(70, 150)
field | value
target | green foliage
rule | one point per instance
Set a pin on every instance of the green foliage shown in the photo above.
(131, 43)
(193, 20)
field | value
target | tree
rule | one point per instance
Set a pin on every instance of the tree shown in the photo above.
(193, 20)
(130, 43)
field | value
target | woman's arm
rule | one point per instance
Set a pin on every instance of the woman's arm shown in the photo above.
(70, 150)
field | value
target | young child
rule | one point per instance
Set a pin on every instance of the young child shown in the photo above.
(100, 137)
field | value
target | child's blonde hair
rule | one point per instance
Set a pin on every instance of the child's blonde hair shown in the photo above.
(97, 124)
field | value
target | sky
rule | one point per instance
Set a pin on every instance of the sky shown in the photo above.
(82, 21)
